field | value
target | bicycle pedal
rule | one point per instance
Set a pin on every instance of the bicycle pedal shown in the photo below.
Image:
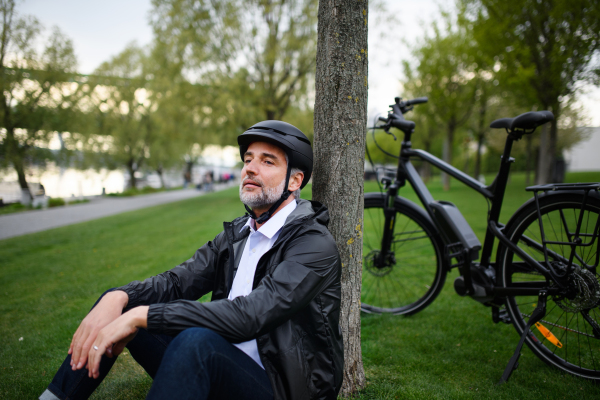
(500, 315)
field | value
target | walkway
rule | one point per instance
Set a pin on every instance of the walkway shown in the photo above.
(25, 222)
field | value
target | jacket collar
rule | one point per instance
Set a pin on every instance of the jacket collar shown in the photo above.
(305, 209)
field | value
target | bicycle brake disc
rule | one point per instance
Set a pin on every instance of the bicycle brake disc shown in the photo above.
(584, 284)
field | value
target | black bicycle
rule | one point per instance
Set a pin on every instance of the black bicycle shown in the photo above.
(544, 279)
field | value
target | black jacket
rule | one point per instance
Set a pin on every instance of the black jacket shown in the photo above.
(292, 311)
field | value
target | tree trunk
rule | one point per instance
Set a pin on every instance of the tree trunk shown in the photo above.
(16, 158)
(545, 158)
(132, 168)
(159, 171)
(447, 156)
(339, 146)
(528, 159)
(477, 171)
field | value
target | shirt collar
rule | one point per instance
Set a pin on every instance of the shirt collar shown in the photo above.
(275, 223)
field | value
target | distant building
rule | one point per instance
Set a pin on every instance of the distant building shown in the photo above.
(585, 156)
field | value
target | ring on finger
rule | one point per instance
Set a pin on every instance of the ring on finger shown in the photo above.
(96, 348)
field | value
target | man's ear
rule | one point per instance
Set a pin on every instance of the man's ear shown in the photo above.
(296, 181)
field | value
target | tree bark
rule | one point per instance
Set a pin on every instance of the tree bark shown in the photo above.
(339, 146)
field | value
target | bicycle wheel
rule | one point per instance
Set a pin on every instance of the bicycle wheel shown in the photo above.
(413, 275)
(571, 344)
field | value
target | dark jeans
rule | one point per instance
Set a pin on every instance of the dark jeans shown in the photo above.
(196, 364)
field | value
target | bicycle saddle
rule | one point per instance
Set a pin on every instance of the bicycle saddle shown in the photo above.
(528, 121)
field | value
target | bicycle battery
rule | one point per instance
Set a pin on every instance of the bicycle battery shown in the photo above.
(455, 226)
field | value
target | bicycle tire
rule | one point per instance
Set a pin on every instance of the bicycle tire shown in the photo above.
(579, 350)
(418, 273)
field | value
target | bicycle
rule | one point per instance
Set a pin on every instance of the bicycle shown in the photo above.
(545, 273)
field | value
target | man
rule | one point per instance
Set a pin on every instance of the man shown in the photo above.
(271, 329)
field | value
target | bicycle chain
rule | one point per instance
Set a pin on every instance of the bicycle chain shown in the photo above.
(561, 327)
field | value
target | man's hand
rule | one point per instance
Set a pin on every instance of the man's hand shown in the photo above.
(113, 338)
(106, 311)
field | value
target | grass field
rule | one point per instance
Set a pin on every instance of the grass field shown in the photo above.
(450, 350)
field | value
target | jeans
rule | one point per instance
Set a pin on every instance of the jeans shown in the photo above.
(196, 364)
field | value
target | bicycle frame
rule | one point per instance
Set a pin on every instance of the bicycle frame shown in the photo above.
(494, 192)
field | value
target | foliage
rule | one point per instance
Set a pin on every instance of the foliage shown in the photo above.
(542, 50)
(445, 73)
(257, 56)
(56, 202)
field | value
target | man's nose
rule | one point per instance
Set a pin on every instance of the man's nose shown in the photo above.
(251, 167)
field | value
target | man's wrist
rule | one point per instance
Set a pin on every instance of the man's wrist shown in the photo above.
(140, 316)
(118, 296)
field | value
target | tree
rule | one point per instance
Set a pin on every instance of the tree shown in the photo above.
(543, 48)
(444, 73)
(258, 56)
(33, 85)
(124, 106)
(339, 146)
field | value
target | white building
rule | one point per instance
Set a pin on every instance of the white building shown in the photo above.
(585, 155)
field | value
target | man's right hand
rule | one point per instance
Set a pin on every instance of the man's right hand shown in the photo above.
(108, 309)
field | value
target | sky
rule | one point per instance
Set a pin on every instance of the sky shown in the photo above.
(100, 30)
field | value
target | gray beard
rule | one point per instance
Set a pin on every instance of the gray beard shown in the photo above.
(266, 196)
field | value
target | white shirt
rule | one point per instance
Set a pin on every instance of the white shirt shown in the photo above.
(258, 243)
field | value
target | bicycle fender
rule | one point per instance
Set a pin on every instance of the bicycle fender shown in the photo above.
(405, 204)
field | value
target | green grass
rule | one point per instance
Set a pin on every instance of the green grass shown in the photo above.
(49, 280)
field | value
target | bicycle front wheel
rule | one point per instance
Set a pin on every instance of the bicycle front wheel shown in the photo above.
(566, 336)
(411, 276)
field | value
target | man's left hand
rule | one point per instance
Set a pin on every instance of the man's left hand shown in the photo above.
(113, 338)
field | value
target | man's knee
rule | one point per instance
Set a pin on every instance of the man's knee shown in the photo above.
(197, 342)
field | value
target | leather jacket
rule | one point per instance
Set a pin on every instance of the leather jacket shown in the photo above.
(292, 312)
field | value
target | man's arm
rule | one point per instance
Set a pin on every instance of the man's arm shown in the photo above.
(311, 263)
(108, 309)
(189, 280)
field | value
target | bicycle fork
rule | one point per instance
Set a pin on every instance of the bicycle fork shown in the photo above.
(536, 316)
(386, 256)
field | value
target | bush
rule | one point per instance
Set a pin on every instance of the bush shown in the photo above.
(135, 191)
(12, 207)
(56, 202)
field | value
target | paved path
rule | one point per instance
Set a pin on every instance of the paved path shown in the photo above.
(25, 222)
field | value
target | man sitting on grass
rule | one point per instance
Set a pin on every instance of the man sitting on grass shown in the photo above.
(271, 330)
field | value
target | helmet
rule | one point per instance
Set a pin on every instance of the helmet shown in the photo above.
(286, 136)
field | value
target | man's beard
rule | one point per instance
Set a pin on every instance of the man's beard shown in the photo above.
(266, 196)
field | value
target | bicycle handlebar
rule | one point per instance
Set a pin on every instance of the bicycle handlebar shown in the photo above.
(396, 115)
(418, 100)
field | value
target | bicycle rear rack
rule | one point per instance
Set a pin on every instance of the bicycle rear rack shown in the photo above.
(576, 239)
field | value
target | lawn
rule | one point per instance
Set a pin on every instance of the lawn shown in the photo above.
(48, 281)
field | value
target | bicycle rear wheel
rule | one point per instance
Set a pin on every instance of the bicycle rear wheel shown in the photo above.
(571, 344)
(413, 275)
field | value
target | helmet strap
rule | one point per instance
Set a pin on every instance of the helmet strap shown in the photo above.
(284, 196)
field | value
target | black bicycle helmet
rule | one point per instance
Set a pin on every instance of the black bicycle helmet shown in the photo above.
(291, 140)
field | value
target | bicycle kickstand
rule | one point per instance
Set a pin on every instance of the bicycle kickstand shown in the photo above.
(536, 316)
